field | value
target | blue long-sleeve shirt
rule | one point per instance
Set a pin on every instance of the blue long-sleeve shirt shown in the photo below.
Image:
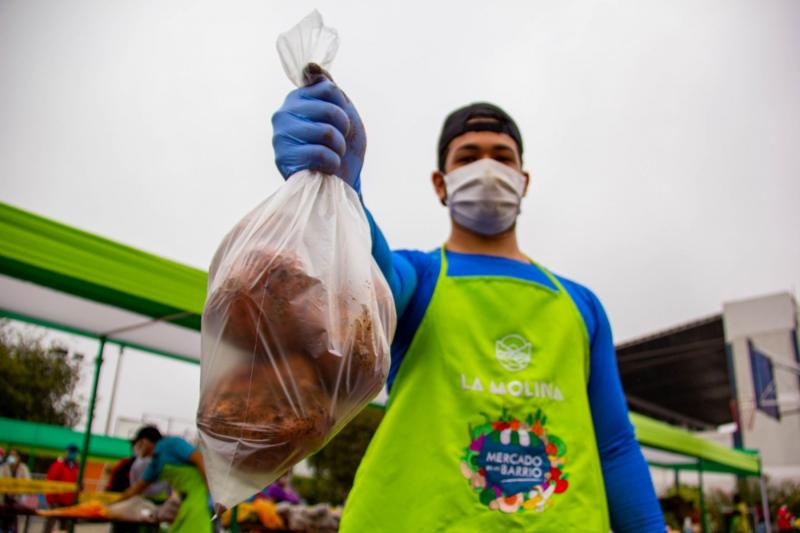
(412, 275)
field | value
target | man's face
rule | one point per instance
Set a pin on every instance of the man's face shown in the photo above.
(475, 145)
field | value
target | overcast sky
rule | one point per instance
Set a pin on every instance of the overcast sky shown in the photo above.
(663, 138)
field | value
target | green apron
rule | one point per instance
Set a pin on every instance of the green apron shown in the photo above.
(488, 427)
(193, 515)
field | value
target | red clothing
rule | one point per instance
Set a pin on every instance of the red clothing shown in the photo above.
(62, 470)
(120, 478)
(785, 519)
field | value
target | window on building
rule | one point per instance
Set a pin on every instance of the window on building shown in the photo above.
(764, 385)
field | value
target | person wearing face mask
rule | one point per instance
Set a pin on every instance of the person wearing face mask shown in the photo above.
(175, 461)
(65, 469)
(13, 467)
(130, 470)
(505, 410)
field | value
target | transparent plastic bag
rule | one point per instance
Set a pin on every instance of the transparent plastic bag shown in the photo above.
(297, 322)
(136, 509)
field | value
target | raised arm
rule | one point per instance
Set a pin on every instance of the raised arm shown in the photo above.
(318, 128)
(399, 273)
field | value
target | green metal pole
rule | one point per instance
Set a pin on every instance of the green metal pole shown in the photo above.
(98, 362)
(235, 519)
(703, 518)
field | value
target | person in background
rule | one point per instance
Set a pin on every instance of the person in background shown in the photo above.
(180, 464)
(159, 492)
(13, 467)
(741, 516)
(281, 490)
(120, 475)
(758, 517)
(119, 481)
(785, 519)
(64, 469)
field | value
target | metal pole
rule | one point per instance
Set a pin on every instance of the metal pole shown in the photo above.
(765, 504)
(98, 362)
(677, 473)
(114, 390)
(235, 519)
(703, 521)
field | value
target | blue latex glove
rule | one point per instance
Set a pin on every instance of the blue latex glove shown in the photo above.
(318, 128)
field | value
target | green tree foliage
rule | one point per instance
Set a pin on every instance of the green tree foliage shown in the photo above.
(335, 465)
(37, 382)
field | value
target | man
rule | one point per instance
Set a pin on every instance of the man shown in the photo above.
(63, 469)
(181, 465)
(505, 409)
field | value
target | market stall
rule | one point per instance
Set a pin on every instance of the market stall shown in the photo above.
(61, 277)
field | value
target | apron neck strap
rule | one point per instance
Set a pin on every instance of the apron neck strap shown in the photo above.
(550, 276)
(443, 260)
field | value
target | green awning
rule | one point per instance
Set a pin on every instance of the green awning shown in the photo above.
(49, 440)
(60, 257)
(661, 436)
(63, 277)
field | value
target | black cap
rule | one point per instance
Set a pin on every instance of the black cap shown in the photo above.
(150, 433)
(72, 448)
(458, 123)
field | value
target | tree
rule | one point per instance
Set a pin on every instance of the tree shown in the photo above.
(335, 465)
(37, 382)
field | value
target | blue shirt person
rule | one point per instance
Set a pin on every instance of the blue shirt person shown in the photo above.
(481, 180)
(181, 465)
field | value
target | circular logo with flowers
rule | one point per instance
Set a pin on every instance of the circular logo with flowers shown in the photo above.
(515, 465)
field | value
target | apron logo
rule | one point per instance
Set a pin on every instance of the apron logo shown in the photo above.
(513, 352)
(515, 465)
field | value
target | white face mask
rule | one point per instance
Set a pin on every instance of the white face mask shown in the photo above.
(137, 450)
(484, 196)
